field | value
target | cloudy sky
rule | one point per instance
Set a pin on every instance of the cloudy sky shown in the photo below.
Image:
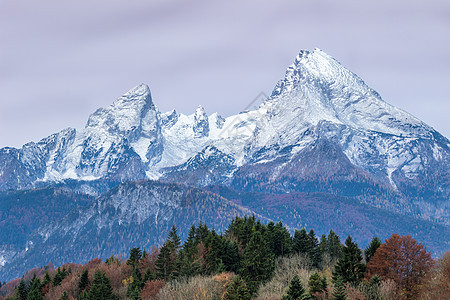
(60, 60)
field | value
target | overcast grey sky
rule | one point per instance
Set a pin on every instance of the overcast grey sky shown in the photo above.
(61, 60)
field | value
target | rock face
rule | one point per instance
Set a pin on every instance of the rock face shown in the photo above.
(322, 129)
(129, 215)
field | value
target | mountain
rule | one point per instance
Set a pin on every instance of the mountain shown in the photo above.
(322, 129)
(133, 214)
(323, 151)
(22, 212)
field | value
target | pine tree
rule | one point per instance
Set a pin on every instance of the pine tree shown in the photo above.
(135, 257)
(258, 263)
(134, 289)
(46, 279)
(164, 264)
(334, 245)
(295, 290)
(314, 252)
(34, 291)
(281, 243)
(83, 296)
(237, 290)
(84, 281)
(21, 291)
(231, 258)
(317, 284)
(372, 248)
(59, 276)
(101, 288)
(215, 246)
(323, 245)
(339, 289)
(301, 241)
(350, 267)
(174, 238)
(64, 296)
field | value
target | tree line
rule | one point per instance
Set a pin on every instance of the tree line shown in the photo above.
(240, 262)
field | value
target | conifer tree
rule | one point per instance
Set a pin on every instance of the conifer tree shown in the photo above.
(317, 284)
(174, 238)
(34, 290)
(59, 276)
(371, 249)
(84, 281)
(295, 290)
(83, 296)
(164, 264)
(334, 245)
(301, 241)
(215, 252)
(134, 289)
(350, 266)
(135, 257)
(237, 290)
(323, 245)
(46, 279)
(258, 263)
(282, 241)
(339, 289)
(21, 291)
(101, 288)
(231, 258)
(314, 252)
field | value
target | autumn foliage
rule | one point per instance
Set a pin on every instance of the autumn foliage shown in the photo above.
(403, 260)
(251, 260)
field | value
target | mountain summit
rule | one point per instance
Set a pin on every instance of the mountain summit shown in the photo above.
(322, 129)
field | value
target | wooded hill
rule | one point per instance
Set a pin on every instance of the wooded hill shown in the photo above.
(250, 260)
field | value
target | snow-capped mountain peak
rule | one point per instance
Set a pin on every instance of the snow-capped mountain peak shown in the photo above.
(135, 109)
(201, 123)
(316, 87)
(318, 102)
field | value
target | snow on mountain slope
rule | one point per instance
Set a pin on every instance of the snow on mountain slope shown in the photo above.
(318, 99)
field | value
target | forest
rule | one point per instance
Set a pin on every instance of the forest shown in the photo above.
(249, 260)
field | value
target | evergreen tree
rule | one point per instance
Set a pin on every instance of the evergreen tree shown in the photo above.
(279, 239)
(237, 290)
(21, 291)
(215, 246)
(258, 263)
(317, 284)
(174, 238)
(135, 257)
(323, 245)
(372, 248)
(83, 283)
(34, 291)
(46, 279)
(165, 262)
(334, 245)
(301, 241)
(83, 296)
(201, 233)
(339, 289)
(101, 288)
(59, 276)
(350, 267)
(134, 289)
(64, 296)
(314, 252)
(295, 290)
(231, 258)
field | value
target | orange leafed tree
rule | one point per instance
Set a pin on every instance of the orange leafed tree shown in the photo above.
(404, 260)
